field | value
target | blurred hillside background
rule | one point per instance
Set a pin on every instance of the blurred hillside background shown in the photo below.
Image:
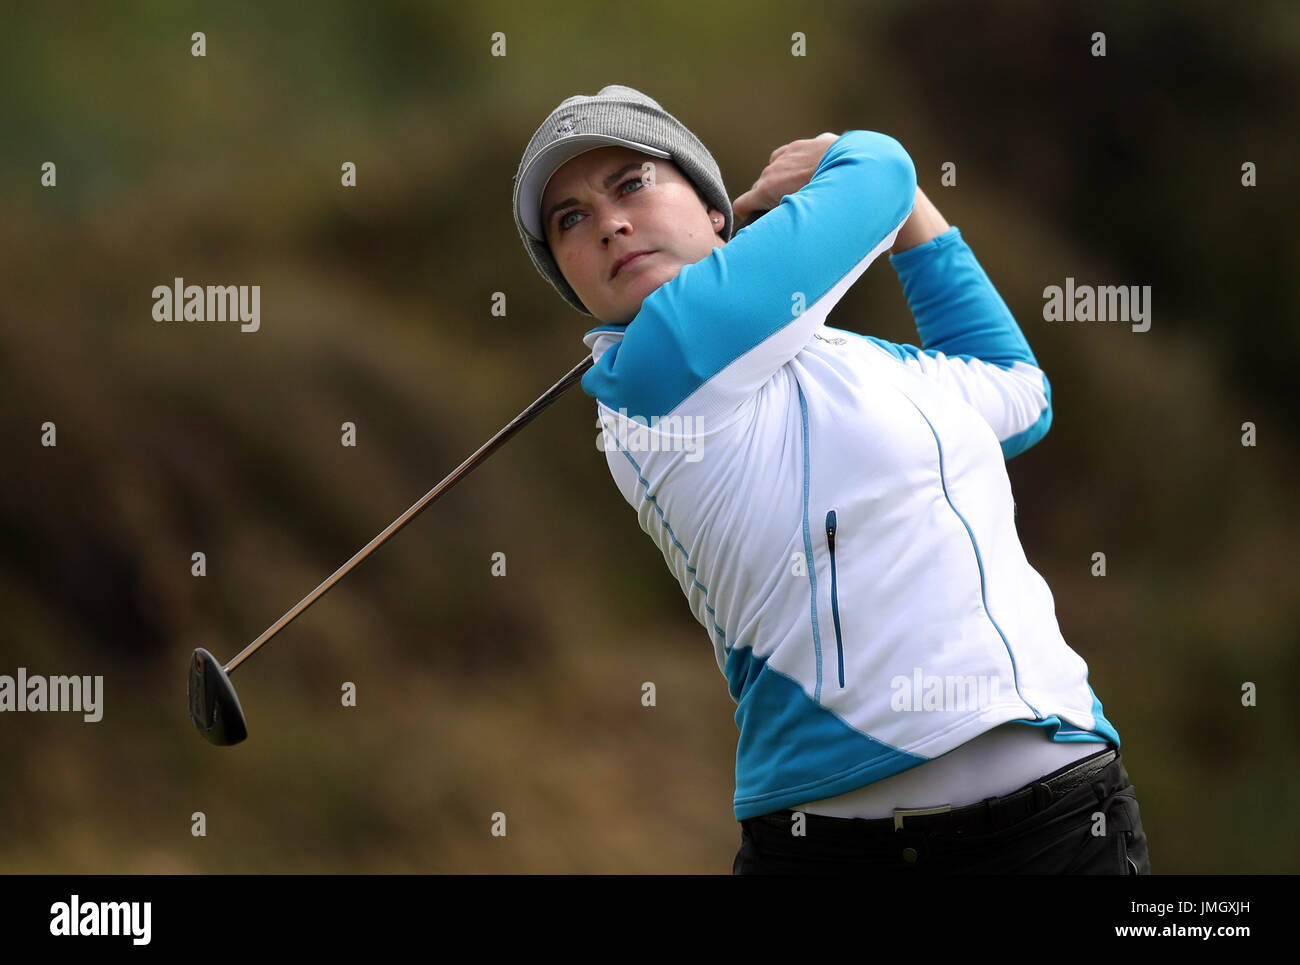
(522, 694)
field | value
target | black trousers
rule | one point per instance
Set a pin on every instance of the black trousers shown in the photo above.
(1093, 828)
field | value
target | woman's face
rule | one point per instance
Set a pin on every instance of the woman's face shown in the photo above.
(612, 202)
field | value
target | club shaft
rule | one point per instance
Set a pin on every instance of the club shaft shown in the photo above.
(521, 420)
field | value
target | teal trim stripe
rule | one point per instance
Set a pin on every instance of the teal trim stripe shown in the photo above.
(671, 535)
(1065, 732)
(979, 562)
(807, 545)
(1101, 725)
(1013, 445)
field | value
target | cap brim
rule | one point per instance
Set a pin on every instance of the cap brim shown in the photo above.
(532, 182)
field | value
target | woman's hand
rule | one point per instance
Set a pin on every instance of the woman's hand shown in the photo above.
(790, 167)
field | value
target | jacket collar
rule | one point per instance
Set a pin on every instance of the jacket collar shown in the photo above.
(600, 339)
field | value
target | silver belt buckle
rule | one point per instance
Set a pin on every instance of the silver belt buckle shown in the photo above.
(901, 813)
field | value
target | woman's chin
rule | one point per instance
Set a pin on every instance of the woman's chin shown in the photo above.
(638, 290)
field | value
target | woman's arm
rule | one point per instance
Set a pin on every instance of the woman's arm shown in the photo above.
(924, 224)
(970, 342)
(717, 332)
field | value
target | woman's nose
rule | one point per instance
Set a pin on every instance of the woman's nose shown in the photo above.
(612, 222)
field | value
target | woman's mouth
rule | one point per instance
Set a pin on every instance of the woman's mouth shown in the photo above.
(630, 262)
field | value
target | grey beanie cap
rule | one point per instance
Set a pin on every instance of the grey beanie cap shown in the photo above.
(619, 116)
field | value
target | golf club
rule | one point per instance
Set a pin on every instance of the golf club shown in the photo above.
(214, 706)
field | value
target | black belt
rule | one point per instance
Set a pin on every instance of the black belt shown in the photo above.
(991, 814)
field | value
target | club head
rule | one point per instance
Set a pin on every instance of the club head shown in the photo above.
(214, 707)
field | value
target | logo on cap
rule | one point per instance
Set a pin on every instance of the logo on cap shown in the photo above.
(566, 125)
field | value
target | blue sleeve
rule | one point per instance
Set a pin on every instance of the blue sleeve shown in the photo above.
(707, 340)
(970, 341)
(956, 308)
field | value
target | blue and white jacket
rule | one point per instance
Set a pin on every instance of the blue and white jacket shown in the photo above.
(835, 507)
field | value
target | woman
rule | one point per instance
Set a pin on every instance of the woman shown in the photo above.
(835, 507)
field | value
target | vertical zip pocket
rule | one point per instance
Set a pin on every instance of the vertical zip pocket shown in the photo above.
(835, 600)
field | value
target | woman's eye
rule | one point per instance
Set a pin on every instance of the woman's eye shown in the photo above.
(638, 180)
